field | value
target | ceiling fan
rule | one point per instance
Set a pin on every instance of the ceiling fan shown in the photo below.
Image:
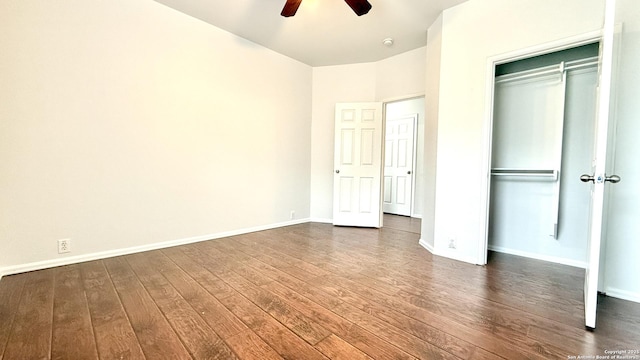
(360, 7)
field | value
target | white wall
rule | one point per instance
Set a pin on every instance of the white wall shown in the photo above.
(401, 108)
(125, 124)
(471, 33)
(622, 245)
(394, 78)
(401, 75)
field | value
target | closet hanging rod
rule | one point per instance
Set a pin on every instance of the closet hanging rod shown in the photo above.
(549, 70)
(579, 64)
(525, 172)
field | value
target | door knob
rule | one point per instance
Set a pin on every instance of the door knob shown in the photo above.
(337, 171)
(612, 179)
(409, 172)
(586, 178)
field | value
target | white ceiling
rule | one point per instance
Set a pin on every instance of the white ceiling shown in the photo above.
(323, 32)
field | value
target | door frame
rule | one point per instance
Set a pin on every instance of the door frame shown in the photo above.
(492, 62)
(385, 102)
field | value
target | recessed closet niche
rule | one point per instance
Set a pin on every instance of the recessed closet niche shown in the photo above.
(542, 140)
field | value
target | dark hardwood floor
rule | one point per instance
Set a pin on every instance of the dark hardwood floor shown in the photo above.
(405, 223)
(310, 291)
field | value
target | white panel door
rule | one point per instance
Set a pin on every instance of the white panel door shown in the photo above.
(398, 165)
(601, 166)
(357, 165)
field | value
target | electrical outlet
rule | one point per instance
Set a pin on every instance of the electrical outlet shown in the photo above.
(292, 215)
(452, 243)
(64, 246)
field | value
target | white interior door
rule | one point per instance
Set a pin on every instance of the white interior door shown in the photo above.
(600, 175)
(357, 165)
(398, 165)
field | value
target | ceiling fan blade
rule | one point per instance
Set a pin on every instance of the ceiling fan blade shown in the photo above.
(290, 8)
(360, 7)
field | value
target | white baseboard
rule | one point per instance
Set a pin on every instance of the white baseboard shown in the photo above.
(426, 245)
(553, 259)
(447, 253)
(454, 255)
(622, 294)
(39, 265)
(417, 216)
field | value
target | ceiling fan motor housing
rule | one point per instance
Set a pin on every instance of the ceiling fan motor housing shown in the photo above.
(360, 7)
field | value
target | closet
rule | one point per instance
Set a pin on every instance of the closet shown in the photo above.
(542, 140)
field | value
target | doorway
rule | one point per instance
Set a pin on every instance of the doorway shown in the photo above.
(602, 160)
(542, 140)
(359, 161)
(402, 170)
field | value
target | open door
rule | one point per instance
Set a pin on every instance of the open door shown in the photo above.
(601, 174)
(357, 165)
(398, 165)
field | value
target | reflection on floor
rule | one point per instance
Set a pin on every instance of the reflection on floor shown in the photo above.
(404, 223)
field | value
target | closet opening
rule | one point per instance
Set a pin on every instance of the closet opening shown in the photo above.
(542, 140)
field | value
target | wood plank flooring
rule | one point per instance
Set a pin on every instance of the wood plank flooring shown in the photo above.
(310, 291)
